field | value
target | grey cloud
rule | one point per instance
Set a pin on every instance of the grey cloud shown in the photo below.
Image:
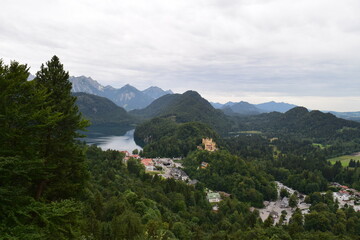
(246, 47)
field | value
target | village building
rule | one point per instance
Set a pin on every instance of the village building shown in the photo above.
(213, 197)
(215, 208)
(150, 168)
(335, 184)
(178, 174)
(204, 165)
(274, 214)
(224, 194)
(166, 162)
(284, 202)
(342, 195)
(149, 164)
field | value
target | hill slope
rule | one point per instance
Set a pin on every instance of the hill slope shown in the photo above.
(303, 123)
(163, 137)
(105, 116)
(186, 107)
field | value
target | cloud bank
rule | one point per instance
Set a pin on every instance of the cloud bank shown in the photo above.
(306, 52)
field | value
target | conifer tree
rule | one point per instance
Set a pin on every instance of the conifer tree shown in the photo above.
(64, 170)
(25, 115)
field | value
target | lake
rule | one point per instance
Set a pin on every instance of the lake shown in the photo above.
(123, 143)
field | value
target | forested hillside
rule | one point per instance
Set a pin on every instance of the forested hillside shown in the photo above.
(187, 107)
(164, 137)
(299, 122)
(104, 115)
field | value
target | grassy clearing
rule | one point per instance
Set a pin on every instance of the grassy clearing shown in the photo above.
(276, 151)
(321, 146)
(250, 132)
(344, 159)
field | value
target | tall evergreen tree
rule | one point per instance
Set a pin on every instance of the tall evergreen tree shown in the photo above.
(25, 115)
(64, 170)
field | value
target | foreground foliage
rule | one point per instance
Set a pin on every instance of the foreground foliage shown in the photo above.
(42, 169)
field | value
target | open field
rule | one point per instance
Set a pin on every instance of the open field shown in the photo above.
(319, 145)
(345, 159)
(250, 132)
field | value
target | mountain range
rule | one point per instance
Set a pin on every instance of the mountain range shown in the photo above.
(354, 116)
(244, 108)
(108, 118)
(127, 97)
(130, 98)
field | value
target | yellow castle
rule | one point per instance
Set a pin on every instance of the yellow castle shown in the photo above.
(209, 145)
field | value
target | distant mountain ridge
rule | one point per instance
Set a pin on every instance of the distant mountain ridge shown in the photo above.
(156, 92)
(131, 98)
(354, 116)
(246, 109)
(275, 106)
(241, 108)
(127, 97)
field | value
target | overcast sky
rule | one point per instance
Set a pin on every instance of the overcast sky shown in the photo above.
(303, 52)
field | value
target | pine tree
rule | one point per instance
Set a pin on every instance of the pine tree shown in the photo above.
(25, 114)
(64, 170)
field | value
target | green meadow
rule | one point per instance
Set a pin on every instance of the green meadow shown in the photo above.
(345, 159)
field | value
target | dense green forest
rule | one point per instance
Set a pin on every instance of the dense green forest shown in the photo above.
(297, 162)
(163, 137)
(300, 123)
(231, 174)
(54, 187)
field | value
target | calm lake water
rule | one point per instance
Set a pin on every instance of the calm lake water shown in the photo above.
(123, 143)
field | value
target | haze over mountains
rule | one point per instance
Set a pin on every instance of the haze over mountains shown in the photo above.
(127, 97)
(245, 108)
(130, 98)
(107, 117)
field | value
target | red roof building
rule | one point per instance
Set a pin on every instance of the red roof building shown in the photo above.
(147, 162)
